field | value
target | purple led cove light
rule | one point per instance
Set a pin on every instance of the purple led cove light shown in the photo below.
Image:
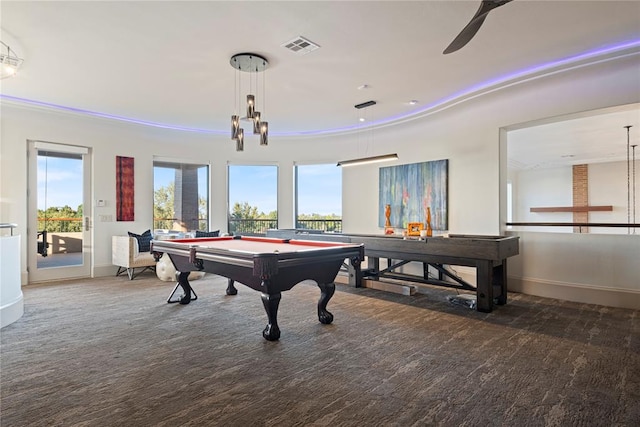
(554, 67)
(533, 73)
(108, 116)
(549, 68)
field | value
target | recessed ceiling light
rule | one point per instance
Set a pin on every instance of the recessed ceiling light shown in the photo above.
(363, 87)
(413, 102)
(362, 119)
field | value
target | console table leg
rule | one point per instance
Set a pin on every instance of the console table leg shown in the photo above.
(484, 283)
(500, 282)
(373, 267)
(355, 272)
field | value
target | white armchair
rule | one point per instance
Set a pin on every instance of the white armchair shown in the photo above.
(125, 254)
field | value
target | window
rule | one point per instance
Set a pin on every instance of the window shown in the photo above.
(180, 196)
(319, 197)
(253, 198)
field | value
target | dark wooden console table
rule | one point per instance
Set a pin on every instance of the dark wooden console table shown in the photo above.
(488, 254)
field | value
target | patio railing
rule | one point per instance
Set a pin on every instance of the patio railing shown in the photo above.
(63, 225)
(330, 225)
(167, 223)
(260, 226)
(251, 226)
(257, 226)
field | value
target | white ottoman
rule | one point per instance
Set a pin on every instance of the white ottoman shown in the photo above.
(167, 272)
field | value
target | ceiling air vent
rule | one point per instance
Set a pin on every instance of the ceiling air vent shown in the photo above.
(300, 45)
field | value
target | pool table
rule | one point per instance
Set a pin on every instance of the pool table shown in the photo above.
(267, 265)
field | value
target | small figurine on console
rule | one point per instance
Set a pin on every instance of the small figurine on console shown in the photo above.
(387, 224)
(428, 227)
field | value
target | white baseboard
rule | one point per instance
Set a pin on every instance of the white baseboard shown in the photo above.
(104, 270)
(12, 311)
(611, 297)
(587, 294)
(98, 271)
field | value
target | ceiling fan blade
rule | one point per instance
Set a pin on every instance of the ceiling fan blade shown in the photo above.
(465, 35)
(474, 24)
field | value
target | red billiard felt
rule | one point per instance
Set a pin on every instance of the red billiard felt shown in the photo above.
(258, 245)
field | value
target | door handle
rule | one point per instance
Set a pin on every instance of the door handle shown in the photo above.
(86, 223)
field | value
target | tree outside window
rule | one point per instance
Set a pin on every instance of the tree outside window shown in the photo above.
(59, 192)
(181, 200)
(253, 198)
(319, 197)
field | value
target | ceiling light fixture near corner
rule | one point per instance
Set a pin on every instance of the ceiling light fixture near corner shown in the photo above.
(300, 45)
(413, 102)
(363, 87)
(368, 160)
(9, 61)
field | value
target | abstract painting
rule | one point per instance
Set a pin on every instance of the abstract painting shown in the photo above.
(410, 189)
(124, 189)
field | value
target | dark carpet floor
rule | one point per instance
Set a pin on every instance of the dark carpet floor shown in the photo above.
(111, 352)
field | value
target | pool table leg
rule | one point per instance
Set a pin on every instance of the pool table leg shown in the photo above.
(271, 302)
(188, 293)
(231, 289)
(326, 292)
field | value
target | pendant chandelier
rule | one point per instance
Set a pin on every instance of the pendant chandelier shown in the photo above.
(253, 64)
(9, 61)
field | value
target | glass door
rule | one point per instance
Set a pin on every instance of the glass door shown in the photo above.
(59, 234)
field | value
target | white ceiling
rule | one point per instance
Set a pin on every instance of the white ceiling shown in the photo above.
(584, 138)
(168, 62)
